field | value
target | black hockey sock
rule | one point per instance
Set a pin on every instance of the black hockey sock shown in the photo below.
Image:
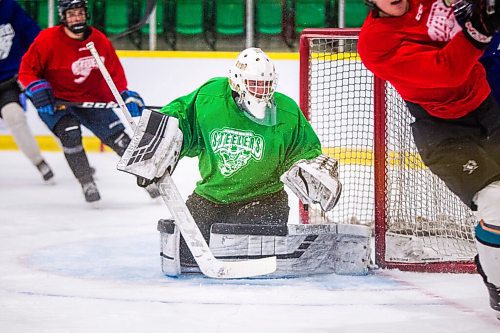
(69, 132)
(79, 164)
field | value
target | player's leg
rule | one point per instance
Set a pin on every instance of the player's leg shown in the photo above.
(488, 240)
(106, 125)
(453, 150)
(456, 152)
(489, 117)
(68, 130)
(488, 210)
(13, 115)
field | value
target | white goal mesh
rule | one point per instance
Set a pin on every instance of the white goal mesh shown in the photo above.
(419, 223)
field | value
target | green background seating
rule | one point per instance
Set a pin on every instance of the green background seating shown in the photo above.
(268, 17)
(189, 17)
(355, 13)
(160, 12)
(211, 18)
(310, 14)
(230, 17)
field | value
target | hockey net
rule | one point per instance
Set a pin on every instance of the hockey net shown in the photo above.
(419, 224)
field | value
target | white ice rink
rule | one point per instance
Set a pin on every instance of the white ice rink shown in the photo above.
(66, 267)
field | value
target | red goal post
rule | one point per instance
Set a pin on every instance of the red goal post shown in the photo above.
(419, 225)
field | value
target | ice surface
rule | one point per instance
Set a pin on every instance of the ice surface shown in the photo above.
(68, 267)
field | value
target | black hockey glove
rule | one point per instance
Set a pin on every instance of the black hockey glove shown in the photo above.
(42, 96)
(479, 19)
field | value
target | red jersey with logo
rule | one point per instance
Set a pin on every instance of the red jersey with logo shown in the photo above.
(70, 68)
(427, 58)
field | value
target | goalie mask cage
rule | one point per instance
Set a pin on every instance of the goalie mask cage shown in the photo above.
(420, 225)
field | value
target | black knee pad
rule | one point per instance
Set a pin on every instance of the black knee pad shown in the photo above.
(118, 142)
(69, 132)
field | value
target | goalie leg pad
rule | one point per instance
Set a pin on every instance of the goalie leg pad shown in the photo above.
(315, 181)
(303, 250)
(169, 247)
(300, 249)
(154, 148)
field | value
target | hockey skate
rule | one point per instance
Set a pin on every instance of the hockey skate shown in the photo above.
(91, 192)
(45, 170)
(494, 293)
(493, 290)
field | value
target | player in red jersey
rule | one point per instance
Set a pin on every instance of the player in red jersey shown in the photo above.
(58, 68)
(421, 49)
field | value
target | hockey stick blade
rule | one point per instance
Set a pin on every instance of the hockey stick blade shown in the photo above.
(209, 265)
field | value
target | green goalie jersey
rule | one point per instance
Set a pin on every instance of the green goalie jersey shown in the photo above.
(239, 159)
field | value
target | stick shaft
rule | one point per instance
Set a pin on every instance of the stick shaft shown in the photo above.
(111, 84)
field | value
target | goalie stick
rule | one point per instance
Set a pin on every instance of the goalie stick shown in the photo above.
(63, 105)
(209, 265)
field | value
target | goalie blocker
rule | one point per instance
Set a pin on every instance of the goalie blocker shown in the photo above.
(303, 249)
(154, 148)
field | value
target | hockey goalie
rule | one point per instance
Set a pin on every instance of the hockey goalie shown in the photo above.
(250, 141)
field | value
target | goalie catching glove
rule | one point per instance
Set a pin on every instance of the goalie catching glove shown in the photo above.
(154, 148)
(315, 181)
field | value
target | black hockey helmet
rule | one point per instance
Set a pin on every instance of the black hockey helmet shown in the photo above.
(64, 6)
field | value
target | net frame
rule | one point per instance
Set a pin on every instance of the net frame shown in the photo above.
(381, 92)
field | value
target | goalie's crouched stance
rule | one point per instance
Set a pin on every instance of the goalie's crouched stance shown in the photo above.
(256, 228)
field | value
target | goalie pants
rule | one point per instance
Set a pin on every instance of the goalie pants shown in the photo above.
(269, 210)
(463, 152)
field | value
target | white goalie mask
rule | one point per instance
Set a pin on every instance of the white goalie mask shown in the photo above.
(254, 79)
